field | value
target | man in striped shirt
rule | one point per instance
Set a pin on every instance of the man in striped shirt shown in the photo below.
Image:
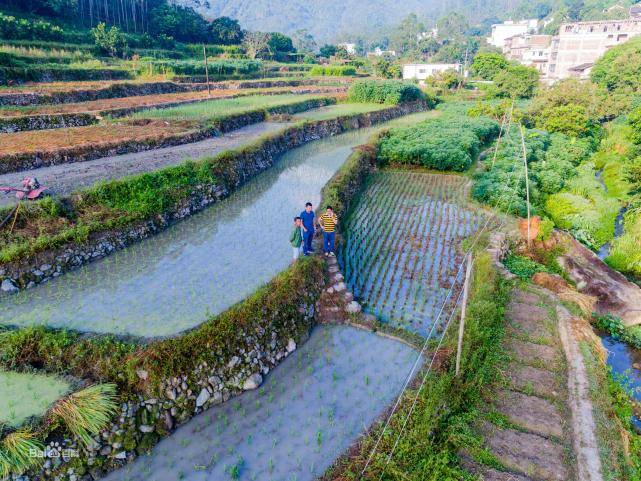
(327, 222)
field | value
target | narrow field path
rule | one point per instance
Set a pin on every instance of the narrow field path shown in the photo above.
(63, 179)
(541, 426)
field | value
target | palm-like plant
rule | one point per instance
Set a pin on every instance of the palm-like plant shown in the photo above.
(87, 412)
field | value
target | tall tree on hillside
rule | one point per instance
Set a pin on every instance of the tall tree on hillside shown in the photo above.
(255, 43)
(304, 41)
(406, 35)
(225, 31)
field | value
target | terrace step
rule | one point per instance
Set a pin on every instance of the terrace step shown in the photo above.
(531, 413)
(527, 453)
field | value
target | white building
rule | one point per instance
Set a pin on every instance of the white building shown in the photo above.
(530, 50)
(510, 28)
(378, 52)
(420, 71)
(349, 47)
(580, 44)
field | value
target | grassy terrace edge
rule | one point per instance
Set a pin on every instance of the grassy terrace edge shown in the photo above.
(133, 208)
(145, 374)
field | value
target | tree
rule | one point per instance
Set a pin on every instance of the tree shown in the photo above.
(225, 31)
(517, 81)
(109, 41)
(487, 65)
(620, 67)
(327, 50)
(255, 43)
(387, 69)
(570, 120)
(304, 41)
(181, 23)
(279, 43)
(406, 34)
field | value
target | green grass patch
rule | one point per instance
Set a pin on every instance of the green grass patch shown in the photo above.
(217, 109)
(26, 395)
(339, 110)
(332, 71)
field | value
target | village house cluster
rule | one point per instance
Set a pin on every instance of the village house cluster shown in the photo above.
(570, 53)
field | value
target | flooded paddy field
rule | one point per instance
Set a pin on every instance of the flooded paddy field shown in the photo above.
(401, 245)
(309, 410)
(198, 267)
(23, 395)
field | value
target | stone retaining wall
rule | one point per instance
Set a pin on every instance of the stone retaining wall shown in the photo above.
(43, 266)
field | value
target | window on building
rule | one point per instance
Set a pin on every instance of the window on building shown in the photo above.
(422, 70)
(622, 37)
(605, 28)
(591, 29)
(568, 28)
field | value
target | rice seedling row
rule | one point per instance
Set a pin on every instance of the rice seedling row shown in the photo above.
(401, 242)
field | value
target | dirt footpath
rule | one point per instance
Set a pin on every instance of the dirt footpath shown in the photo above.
(65, 178)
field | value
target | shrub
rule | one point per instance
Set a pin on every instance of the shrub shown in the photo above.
(13, 28)
(450, 143)
(332, 71)
(109, 41)
(516, 81)
(384, 92)
(567, 119)
(619, 69)
(523, 267)
(488, 65)
(15, 453)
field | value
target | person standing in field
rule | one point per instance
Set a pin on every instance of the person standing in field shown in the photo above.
(327, 222)
(296, 238)
(307, 218)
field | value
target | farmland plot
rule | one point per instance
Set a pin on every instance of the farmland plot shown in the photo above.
(309, 410)
(401, 245)
(203, 265)
(23, 395)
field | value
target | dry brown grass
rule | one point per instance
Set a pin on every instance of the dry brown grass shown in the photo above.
(96, 136)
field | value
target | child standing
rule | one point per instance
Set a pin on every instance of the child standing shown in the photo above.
(328, 221)
(296, 238)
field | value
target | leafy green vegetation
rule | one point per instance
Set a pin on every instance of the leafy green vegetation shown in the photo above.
(523, 267)
(448, 143)
(619, 70)
(332, 70)
(384, 92)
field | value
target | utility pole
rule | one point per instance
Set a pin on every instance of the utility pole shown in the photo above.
(206, 71)
(527, 185)
(461, 326)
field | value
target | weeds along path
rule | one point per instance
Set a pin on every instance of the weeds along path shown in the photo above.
(63, 179)
(401, 245)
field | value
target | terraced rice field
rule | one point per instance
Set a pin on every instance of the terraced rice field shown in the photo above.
(309, 410)
(173, 280)
(25, 395)
(147, 101)
(402, 242)
(215, 109)
(151, 124)
(332, 111)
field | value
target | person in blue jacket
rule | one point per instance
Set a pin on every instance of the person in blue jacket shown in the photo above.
(307, 216)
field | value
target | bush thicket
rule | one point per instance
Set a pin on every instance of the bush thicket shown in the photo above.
(449, 143)
(332, 70)
(384, 92)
